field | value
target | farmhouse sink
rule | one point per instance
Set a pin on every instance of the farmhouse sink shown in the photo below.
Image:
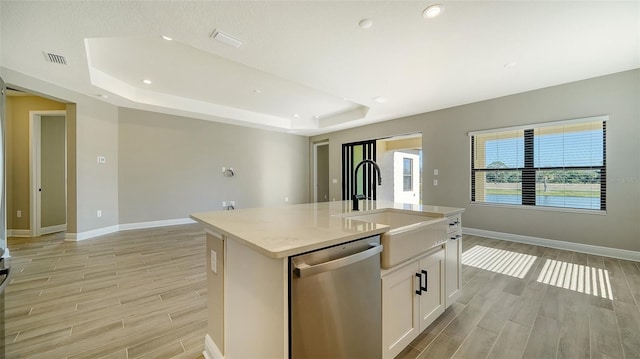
(410, 233)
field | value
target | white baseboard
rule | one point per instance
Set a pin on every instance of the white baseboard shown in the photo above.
(551, 243)
(211, 350)
(18, 233)
(153, 224)
(126, 227)
(91, 234)
(54, 229)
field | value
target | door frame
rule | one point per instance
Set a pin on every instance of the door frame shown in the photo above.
(35, 214)
(315, 167)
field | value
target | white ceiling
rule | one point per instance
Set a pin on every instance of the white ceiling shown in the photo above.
(306, 66)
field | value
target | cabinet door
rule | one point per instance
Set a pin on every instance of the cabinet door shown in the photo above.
(399, 309)
(453, 270)
(432, 295)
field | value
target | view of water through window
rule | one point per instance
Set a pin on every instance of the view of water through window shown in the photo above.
(563, 164)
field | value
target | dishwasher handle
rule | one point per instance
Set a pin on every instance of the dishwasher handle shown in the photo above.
(305, 270)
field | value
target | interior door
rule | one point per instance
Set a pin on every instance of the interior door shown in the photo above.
(321, 176)
(53, 208)
(48, 172)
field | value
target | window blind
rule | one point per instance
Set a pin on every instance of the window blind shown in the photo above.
(553, 165)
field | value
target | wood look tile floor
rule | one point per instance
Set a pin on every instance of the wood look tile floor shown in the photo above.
(141, 294)
(133, 294)
(566, 305)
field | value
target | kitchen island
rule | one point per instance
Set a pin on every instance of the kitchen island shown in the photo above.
(248, 255)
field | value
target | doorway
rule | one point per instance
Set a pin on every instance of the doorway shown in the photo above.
(400, 161)
(362, 184)
(48, 174)
(321, 175)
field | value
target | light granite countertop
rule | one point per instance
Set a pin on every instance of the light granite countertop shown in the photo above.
(281, 232)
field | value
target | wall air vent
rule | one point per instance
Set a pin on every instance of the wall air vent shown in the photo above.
(56, 59)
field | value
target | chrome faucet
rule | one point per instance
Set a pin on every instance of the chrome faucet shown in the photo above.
(355, 196)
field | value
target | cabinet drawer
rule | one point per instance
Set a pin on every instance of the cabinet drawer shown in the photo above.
(455, 223)
(454, 236)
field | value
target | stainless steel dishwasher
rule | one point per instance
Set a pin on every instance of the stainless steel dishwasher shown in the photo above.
(335, 302)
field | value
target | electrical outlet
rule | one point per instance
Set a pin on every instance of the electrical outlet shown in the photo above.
(99, 213)
(102, 160)
(224, 204)
(233, 203)
(435, 172)
(19, 214)
(435, 182)
(286, 199)
(214, 261)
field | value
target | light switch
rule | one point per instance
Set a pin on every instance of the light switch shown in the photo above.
(102, 160)
(335, 180)
(435, 182)
(435, 172)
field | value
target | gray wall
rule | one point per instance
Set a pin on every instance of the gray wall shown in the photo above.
(446, 147)
(171, 166)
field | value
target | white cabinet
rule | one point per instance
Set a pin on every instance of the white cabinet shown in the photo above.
(453, 255)
(413, 296)
(453, 270)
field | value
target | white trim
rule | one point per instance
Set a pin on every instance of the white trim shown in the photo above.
(53, 229)
(18, 233)
(35, 123)
(540, 208)
(603, 118)
(211, 350)
(7, 254)
(551, 243)
(126, 227)
(91, 234)
(153, 224)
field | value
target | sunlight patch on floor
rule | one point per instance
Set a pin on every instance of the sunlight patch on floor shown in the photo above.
(501, 261)
(576, 277)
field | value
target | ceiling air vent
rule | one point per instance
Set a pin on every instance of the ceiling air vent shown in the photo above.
(56, 59)
(227, 39)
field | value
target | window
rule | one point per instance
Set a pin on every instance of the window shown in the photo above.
(561, 164)
(407, 174)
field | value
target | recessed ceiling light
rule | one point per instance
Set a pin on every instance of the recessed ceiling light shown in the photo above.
(296, 115)
(147, 82)
(166, 37)
(379, 99)
(257, 91)
(432, 11)
(365, 23)
(102, 96)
